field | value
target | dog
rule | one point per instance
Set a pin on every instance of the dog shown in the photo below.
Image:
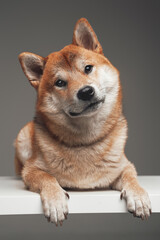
(78, 135)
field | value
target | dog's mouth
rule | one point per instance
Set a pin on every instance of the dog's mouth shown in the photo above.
(91, 107)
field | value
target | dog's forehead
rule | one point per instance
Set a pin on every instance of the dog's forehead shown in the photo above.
(63, 57)
(68, 57)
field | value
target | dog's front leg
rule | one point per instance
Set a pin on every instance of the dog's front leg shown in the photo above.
(136, 197)
(54, 198)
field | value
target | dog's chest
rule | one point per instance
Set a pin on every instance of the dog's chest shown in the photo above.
(83, 167)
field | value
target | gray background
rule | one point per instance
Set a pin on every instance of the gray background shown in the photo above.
(129, 32)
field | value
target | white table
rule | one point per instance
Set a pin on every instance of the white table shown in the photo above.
(15, 199)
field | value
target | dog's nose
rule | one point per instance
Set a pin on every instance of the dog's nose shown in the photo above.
(86, 93)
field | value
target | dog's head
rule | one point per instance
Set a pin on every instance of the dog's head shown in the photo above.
(78, 81)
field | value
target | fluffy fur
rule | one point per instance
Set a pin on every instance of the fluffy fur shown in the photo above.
(73, 143)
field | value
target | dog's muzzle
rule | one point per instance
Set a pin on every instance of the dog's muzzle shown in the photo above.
(90, 108)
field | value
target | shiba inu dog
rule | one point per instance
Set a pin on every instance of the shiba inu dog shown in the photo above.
(78, 135)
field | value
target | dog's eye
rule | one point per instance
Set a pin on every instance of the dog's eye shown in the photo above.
(88, 69)
(60, 83)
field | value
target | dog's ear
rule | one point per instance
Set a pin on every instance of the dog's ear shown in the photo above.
(84, 36)
(32, 66)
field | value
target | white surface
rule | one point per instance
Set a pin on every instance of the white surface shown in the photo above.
(15, 199)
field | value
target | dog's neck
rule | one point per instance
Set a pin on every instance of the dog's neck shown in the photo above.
(79, 131)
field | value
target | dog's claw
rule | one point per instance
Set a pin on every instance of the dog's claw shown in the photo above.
(48, 218)
(146, 217)
(123, 194)
(130, 211)
(60, 222)
(65, 215)
(134, 214)
(67, 195)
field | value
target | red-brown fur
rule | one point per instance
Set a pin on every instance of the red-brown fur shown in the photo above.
(56, 151)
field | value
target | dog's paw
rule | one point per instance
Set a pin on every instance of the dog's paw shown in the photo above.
(55, 206)
(138, 202)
